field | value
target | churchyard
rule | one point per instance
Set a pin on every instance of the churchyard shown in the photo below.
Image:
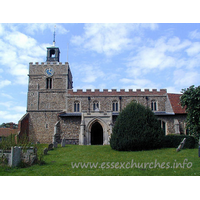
(98, 160)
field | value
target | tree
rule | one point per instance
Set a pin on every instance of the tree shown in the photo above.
(136, 128)
(191, 101)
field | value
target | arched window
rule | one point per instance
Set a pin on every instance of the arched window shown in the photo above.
(96, 105)
(48, 83)
(154, 105)
(163, 126)
(76, 106)
(115, 106)
(134, 101)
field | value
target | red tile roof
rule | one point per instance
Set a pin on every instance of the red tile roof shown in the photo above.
(175, 103)
(7, 131)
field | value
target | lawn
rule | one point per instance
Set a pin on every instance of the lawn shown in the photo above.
(103, 161)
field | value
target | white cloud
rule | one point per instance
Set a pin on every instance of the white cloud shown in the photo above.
(10, 106)
(194, 49)
(4, 83)
(137, 83)
(33, 28)
(77, 40)
(88, 73)
(1, 29)
(194, 34)
(20, 40)
(6, 95)
(84, 87)
(157, 55)
(152, 26)
(22, 80)
(173, 89)
(7, 104)
(184, 78)
(12, 113)
(16, 51)
(19, 109)
(110, 39)
(10, 117)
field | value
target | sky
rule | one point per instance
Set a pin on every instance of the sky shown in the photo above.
(101, 56)
(159, 55)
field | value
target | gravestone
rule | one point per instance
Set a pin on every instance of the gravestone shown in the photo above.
(45, 151)
(50, 147)
(181, 145)
(55, 144)
(63, 142)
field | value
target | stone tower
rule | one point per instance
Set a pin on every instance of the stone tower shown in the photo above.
(47, 89)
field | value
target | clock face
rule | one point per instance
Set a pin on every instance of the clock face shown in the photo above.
(49, 72)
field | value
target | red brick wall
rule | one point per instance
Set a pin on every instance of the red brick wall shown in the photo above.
(23, 126)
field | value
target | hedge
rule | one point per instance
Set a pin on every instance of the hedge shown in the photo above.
(172, 141)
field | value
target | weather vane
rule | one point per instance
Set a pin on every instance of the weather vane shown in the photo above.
(54, 36)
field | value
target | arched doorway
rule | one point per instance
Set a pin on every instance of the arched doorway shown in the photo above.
(96, 134)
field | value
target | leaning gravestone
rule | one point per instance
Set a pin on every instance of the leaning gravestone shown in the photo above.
(50, 147)
(55, 144)
(63, 142)
(45, 151)
(181, 145)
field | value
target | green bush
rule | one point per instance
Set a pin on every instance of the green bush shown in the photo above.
(136, 128)
(7, 142)
(172, 141)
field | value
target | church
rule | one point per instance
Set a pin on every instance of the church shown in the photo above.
(55, 111)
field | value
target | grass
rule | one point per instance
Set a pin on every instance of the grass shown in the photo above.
(162, 162)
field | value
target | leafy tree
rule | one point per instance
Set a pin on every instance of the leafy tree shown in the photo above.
(136, 128)
(8, 125)
(191, 101)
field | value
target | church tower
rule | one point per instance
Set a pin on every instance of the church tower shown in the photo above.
(53, 53)
(48, 85)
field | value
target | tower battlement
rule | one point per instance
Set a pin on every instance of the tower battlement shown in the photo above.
(47, 63)
(114, 92)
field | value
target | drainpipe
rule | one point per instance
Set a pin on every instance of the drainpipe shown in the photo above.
(120, 103)
(89, 104)
(147, 98)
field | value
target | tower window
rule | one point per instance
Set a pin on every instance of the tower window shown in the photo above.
(48, 83)
(52, 53)
(95, 105)
(153, 105)
(76, 106)
(115, 106)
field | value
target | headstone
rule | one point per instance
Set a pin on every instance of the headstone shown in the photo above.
(32, 159)
(177, 126)
(15, 156)
(63, 142)
(50, 147)
(181, 145)
(45, 151)
(55, 144)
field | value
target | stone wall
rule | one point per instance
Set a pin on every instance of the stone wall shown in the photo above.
(105, 102)
(41, 126)
(39, 97)
(70, 127)
(170, 123)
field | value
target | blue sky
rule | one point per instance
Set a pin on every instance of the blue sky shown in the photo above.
(101, 56)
